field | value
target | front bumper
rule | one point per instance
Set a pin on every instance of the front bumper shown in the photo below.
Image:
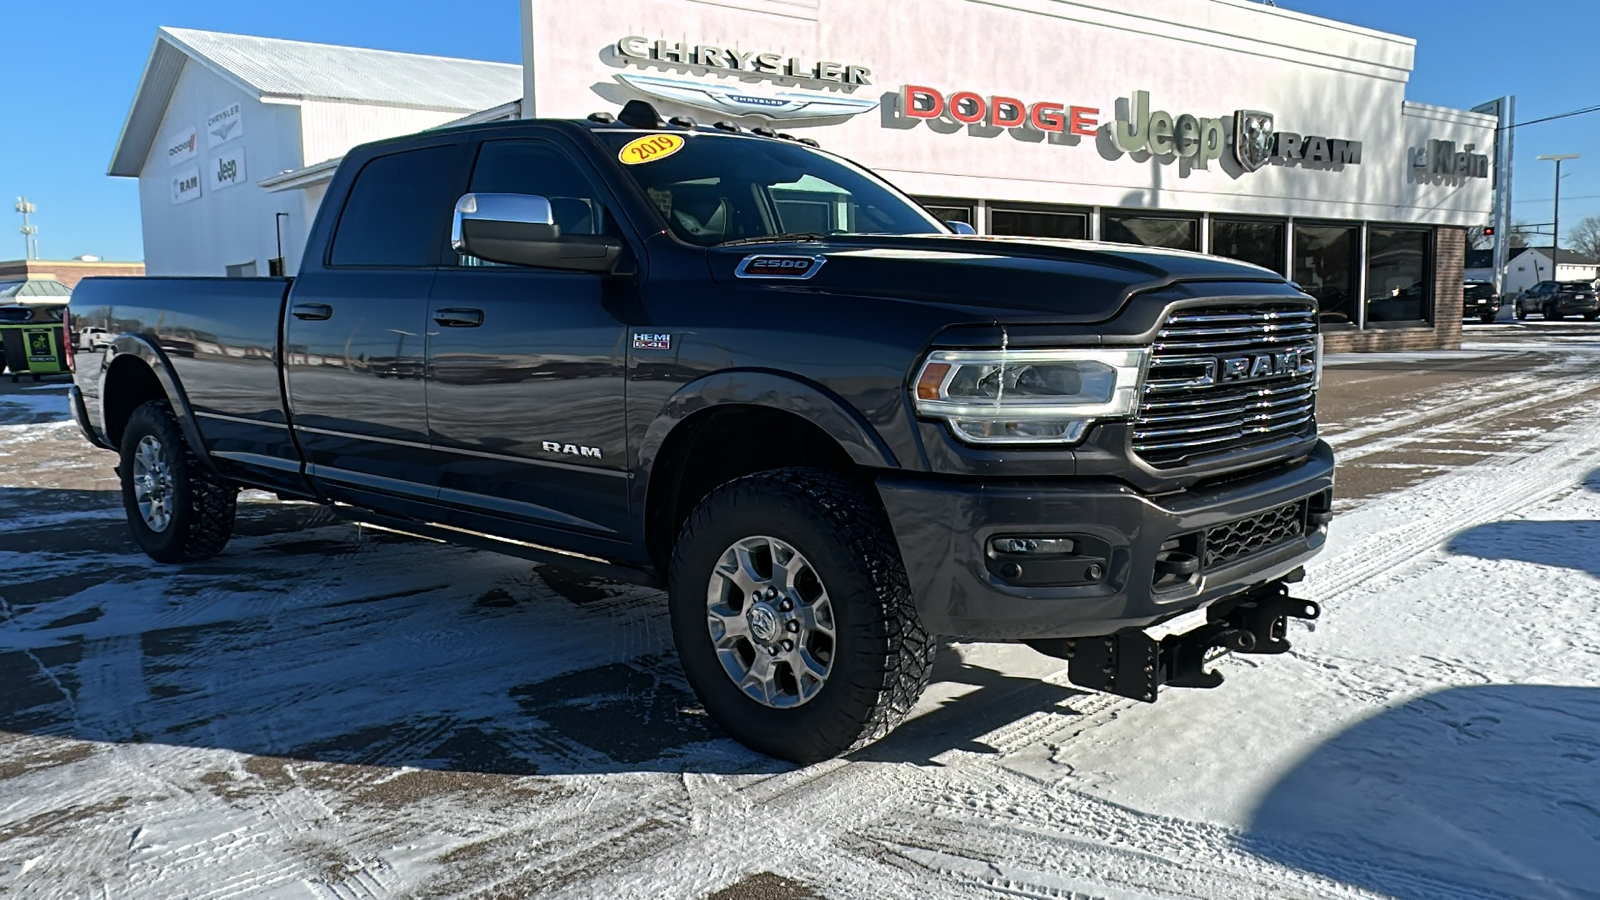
(943, 528)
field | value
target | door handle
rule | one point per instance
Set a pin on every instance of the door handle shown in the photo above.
(312, 311)
(458, 318)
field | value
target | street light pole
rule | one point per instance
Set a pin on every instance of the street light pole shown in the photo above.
(1555, 226)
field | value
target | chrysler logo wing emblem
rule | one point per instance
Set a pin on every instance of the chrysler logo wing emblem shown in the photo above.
(741, 99)
(1252, 138)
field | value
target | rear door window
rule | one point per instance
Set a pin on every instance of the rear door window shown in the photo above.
(397, 211)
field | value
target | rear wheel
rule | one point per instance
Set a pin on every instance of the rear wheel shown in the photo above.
(1592, 316)
(176, 510)
(792, 615)
(1487, 318)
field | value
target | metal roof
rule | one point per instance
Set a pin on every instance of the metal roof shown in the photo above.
(31, 287)
(276, 69)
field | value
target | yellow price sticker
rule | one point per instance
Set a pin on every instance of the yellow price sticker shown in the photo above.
(649, 149)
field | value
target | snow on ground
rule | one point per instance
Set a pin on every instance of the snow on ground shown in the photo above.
(323, 712)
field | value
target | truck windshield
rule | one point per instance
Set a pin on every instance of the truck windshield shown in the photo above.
(718, 188)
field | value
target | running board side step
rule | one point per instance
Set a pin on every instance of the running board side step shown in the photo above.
(1132, 664)
(539, 553)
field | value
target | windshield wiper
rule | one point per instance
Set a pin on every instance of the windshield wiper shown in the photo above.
(777, 238)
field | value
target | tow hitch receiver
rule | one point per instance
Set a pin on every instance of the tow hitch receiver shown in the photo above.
(1135, 665)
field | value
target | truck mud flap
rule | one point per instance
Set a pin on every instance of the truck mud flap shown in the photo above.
(1133, 664)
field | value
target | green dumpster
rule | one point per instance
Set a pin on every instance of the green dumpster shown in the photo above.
(33, 338)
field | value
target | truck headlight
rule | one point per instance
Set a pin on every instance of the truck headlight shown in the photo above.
(1028, 396)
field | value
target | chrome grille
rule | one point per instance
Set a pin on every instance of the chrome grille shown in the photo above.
(1197, 401)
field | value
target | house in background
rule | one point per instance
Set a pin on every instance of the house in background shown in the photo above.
(1530, 265)
(216, 114)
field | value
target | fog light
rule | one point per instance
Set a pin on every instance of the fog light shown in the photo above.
(1031, 546)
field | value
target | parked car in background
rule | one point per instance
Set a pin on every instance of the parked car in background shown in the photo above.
(1479, 301)
(1559, 299)
(91, 338)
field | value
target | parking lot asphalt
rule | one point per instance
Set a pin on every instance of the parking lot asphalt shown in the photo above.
(327, 711)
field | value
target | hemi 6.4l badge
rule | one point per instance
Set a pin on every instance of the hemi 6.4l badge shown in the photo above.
(644, 341)
(764, 265)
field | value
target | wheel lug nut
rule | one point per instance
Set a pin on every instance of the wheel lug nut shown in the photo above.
(772, 592)
(788, 645)
(793, 625)
(786, 605)
(773, 650)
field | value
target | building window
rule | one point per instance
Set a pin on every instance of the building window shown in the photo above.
(1398, 286)
(1326, 263)
(241, 270)
(1039, 223)
(1249, 240)
(949, 210)
(1175, 232)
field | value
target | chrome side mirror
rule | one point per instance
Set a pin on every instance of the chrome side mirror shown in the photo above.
(521, 230)
(960, 227)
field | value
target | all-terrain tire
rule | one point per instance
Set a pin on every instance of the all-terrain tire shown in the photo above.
(881, 654)
(202, 507)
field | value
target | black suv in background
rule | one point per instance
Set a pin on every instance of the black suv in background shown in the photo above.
(1559, 299)
(1479, 301)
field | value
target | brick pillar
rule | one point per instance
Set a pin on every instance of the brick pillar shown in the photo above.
(1449, 256)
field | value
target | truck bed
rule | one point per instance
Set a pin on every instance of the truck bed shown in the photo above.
(218, 339)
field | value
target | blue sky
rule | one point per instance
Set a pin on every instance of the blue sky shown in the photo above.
(73, 66)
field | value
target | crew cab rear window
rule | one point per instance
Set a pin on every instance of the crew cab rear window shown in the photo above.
(397, 210)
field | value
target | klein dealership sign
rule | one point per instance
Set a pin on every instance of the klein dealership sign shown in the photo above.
(1441, 159)
(718, 80)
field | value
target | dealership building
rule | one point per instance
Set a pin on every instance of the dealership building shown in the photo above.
(1220, 126)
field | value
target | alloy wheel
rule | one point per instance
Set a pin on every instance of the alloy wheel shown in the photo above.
(771, 622)
(152, 484)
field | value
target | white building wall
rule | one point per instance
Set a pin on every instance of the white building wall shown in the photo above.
(332, 127)
(1533, 266)
(224, 226)
(1202, 57)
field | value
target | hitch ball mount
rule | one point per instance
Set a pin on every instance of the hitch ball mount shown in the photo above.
(1132, 664)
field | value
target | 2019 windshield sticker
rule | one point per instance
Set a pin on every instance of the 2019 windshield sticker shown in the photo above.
(649, 149)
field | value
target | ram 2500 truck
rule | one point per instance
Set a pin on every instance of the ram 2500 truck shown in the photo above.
(736, 366)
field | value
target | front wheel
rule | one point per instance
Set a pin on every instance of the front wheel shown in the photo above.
(177, 510)
(1520, 313)
(792, 615)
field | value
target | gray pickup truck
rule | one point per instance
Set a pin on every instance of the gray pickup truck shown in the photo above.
(746, 370)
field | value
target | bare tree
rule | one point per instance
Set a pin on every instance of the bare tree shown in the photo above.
(1477, 240)
(1521, 235)
(1585, 237)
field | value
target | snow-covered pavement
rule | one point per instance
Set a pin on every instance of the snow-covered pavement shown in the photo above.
(326, 713)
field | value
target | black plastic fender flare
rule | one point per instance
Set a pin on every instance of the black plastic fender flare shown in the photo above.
(768, 389)
(141, 347)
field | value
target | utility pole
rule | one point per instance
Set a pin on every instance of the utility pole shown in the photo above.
(30, 244)
(1555, 227)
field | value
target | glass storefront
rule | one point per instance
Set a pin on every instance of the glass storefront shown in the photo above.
(1255, 241)
(949, 210)
(1039, 223)
(1173, 232)
(1398, 286)
(1327, 265)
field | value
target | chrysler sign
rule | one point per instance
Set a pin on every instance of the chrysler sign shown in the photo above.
(720, 80)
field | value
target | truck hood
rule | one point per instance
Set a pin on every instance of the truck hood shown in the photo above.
(1004, 278)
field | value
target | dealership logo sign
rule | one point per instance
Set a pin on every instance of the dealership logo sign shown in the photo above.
(972, 108)
(1441, 159)
(1200, 139)
(709, 87)
(224, 125)
(182, 146)
(227, 169)
(186, 185)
